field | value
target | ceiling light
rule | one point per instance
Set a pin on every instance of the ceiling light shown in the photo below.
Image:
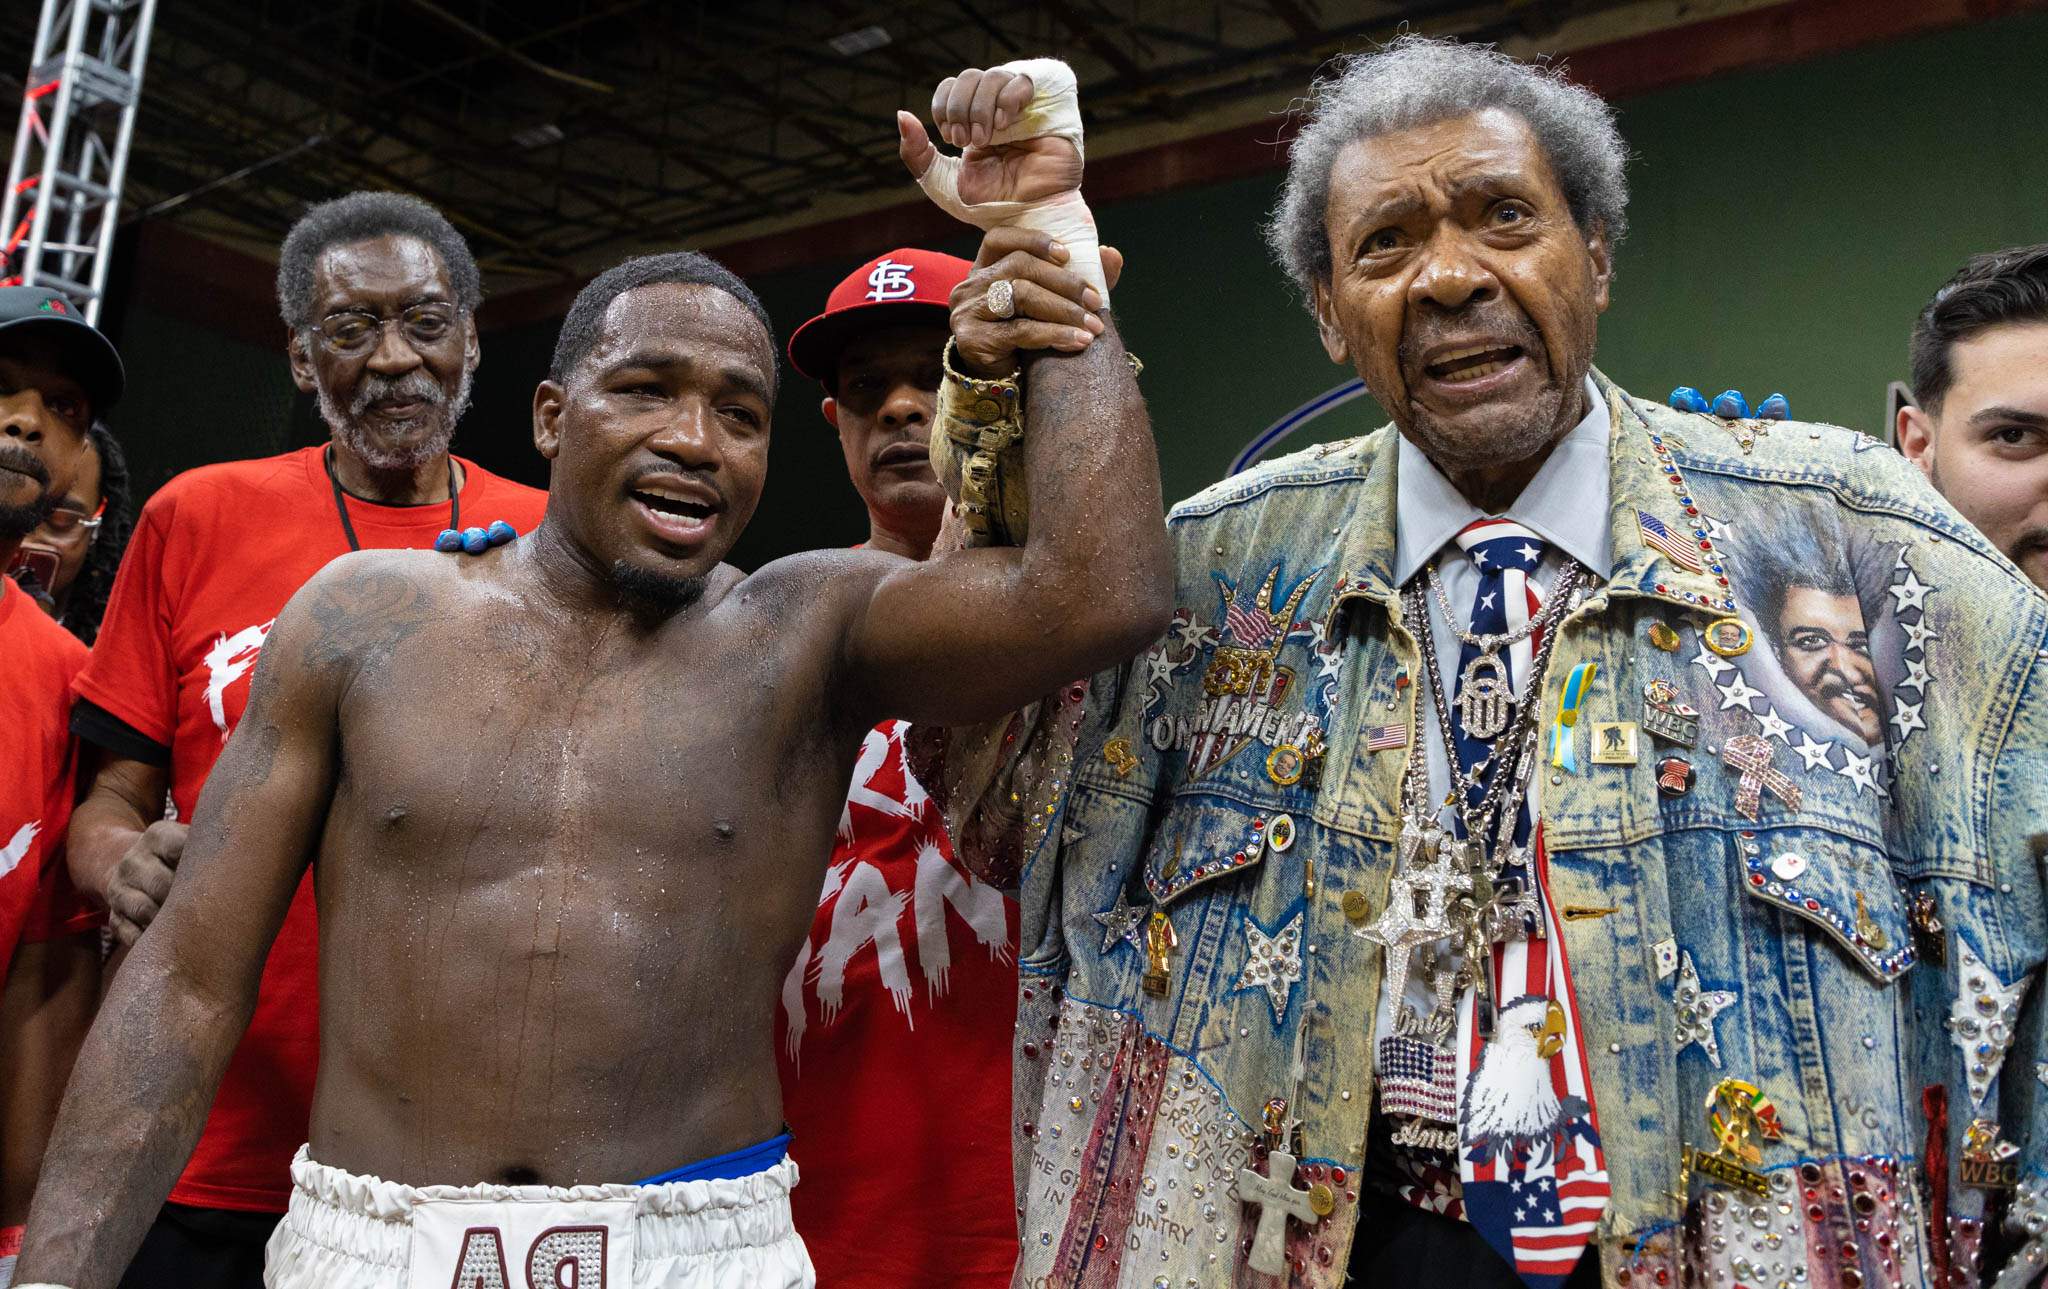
(534, 136)
(858, 42)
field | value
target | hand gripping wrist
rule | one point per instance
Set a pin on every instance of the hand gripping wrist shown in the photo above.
(1055, 109)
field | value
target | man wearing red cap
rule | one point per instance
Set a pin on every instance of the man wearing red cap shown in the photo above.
(897, 1016)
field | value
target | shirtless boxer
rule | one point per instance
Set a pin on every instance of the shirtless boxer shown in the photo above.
(568, 807)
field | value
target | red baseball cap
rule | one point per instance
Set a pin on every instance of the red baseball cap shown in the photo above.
(906, 286)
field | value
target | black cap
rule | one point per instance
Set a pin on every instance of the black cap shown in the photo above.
(90, 357)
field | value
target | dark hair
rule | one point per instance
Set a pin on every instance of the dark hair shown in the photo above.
(87, 603)
(360, 217)
(688, 268)
(1997, 287)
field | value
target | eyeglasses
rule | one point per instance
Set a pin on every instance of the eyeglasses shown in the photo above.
(65, 523)
(354, 333)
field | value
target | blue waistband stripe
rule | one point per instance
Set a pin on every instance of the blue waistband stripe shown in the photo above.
(740, 1163)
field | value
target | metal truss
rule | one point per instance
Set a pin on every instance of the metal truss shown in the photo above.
(70, 155)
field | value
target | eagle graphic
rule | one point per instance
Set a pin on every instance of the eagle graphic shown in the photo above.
(1511, 1104)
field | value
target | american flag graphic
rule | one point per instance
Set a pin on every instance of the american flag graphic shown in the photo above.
(1676, 549)
(1536, 1204)
(1379, 738)
(1248, 624)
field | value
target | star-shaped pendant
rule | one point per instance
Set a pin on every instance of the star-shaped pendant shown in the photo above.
(1696, 1009)
(1125, 922)
(1982, 1019)
(1428, 871)
(1275, 963)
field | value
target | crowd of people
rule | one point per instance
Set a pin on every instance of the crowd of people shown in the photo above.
(1561, 839)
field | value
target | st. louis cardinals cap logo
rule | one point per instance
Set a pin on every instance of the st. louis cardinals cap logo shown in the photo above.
(891, 281)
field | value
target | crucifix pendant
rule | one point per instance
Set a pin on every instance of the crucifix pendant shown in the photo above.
(1478, 956)
(1278, 1200)
(1485, 702)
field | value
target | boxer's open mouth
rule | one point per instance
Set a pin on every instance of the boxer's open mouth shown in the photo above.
(1473, 362)
(669, 501)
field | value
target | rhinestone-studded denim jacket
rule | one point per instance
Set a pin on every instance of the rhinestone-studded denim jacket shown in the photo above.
(1881, 941)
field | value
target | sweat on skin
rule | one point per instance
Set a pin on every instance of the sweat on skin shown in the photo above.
(482, 934)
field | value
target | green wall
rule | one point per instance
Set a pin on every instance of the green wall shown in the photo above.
(1788, 223)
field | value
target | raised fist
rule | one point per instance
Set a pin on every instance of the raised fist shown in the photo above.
(969, 110)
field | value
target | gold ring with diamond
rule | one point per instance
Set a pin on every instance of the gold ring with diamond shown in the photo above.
(1001, 299)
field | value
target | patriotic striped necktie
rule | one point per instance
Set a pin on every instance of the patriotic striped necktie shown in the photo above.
(1529, 1157)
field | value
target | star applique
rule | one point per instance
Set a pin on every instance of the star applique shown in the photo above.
(1275, 963)
(1717, 530)
(1982, 1019)
(1329, 655)
(1737, 694)
(1814, 754)
(2041, 1072)
(1696, 1009)
(1776, 726)
(1528, 553)
(1906, 717)
(1158, 668)
(1713, 662)
(1857, 770)
(1918, 634)
(1915, 677)
(1910, 594)
(1125, 922)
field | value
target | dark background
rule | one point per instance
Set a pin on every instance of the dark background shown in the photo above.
(1788, 222)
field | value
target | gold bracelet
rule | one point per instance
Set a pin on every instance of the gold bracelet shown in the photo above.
(989, 401)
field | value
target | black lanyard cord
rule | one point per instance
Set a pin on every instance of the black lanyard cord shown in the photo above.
(348, 529)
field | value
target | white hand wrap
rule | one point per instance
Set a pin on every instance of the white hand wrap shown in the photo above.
(1055, 109)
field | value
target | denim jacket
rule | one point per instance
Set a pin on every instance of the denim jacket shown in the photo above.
(1881, 940)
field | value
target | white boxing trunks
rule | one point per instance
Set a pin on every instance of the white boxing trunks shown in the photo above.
(349, 1232)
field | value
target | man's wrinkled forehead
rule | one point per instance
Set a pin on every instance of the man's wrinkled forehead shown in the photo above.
(1383, 176)
(685, 323)
(350, 273)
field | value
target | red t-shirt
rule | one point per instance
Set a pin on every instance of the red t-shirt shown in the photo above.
(38, 659)
(214, 557)
(895, 1050)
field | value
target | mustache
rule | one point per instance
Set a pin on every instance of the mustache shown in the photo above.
(414, 386)
(651, 470)
(1500, 319)
(1834, 685)
(13, 456)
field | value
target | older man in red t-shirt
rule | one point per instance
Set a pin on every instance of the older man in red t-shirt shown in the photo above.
(56, 374)
(898, 1014)
(379, 295)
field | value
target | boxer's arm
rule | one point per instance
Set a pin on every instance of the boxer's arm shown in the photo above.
(970, 635)
(52, 988)
(146, 1076)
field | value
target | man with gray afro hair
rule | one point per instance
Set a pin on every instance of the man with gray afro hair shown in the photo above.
(1449, 859)
(1417, 81)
